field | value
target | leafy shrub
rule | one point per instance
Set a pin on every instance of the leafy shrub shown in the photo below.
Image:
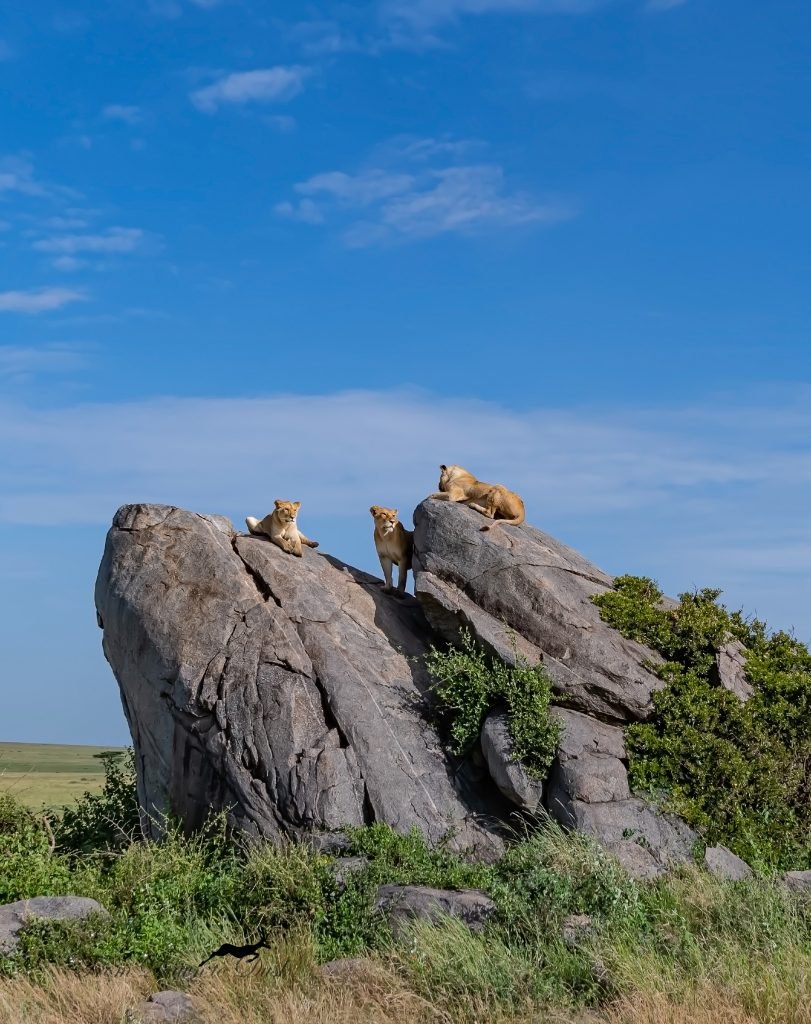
(741, 772)
(105, 821)
(468, 683)
(28, 866)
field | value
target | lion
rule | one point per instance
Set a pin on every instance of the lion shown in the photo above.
(394, 543)
(282, 528)
(492, 500)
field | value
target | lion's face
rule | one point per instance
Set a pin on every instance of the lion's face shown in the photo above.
(286, 510)
(385, 518)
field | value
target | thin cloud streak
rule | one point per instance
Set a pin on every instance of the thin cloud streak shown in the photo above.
(263, 85)
(39, 300)
(418, 198)
(120, 112)
(113, 240)
(686, 494)
(29, 360)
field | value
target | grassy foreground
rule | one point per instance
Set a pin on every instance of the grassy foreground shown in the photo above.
(49, 774)
(686, 950)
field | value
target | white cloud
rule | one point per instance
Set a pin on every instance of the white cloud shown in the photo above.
(424, 14)
(113, 240)
(68, 263)
(70, 223)
(683, 493)
(421, 201)
(263, 85)
(357, 189)
(38, 300)
(122, 112)
(305, 211)
(17, 175)
(28, 360)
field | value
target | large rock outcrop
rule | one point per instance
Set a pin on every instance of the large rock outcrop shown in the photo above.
(292, 692)
(524, 594)
(289, 691)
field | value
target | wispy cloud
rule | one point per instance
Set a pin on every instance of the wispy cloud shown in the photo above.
(121, 112)
(420, 201)
(113, 240)
(29, 360)
(305, 210)
(263, 85)
(685, 493)
(17, 175)
(39, 300)
(424, 14)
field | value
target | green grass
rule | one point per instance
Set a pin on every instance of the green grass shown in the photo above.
(50, 775)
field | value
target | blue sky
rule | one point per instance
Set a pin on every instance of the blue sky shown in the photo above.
(248, 254)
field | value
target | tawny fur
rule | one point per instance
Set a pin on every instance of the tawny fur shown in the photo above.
(395, 545)
(495, 501)
(282, 528)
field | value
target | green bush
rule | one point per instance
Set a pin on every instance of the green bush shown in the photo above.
(105, 821)
(28, 866)
(740, 772)
(467, 684)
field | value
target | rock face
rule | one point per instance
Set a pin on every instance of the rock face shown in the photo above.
(588, 790)
(289, 691)
(512, 779)
(15, 916)
(292, 693)
(522, 592)
(730, 670)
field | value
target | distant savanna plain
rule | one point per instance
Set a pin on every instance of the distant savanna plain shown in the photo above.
(51, 775)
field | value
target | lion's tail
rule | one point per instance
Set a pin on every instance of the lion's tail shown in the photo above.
(506, 522)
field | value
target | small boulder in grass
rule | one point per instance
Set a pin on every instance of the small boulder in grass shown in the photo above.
(724, 864)
(577, 928)
(168, 1007)
(15, 916)
(798, 881)
(403, 903)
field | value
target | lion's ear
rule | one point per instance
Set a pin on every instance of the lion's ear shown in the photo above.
(278, 501)
(374, 509)
(296, 504)
(443, 468)
(395, 511)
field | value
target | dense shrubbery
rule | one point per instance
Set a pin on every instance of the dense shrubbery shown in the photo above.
(106, 821)
(467, 684)
(740, 772)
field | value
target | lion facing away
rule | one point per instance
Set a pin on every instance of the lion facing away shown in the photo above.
(495, 501)
(394, 544)
(281, 527)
